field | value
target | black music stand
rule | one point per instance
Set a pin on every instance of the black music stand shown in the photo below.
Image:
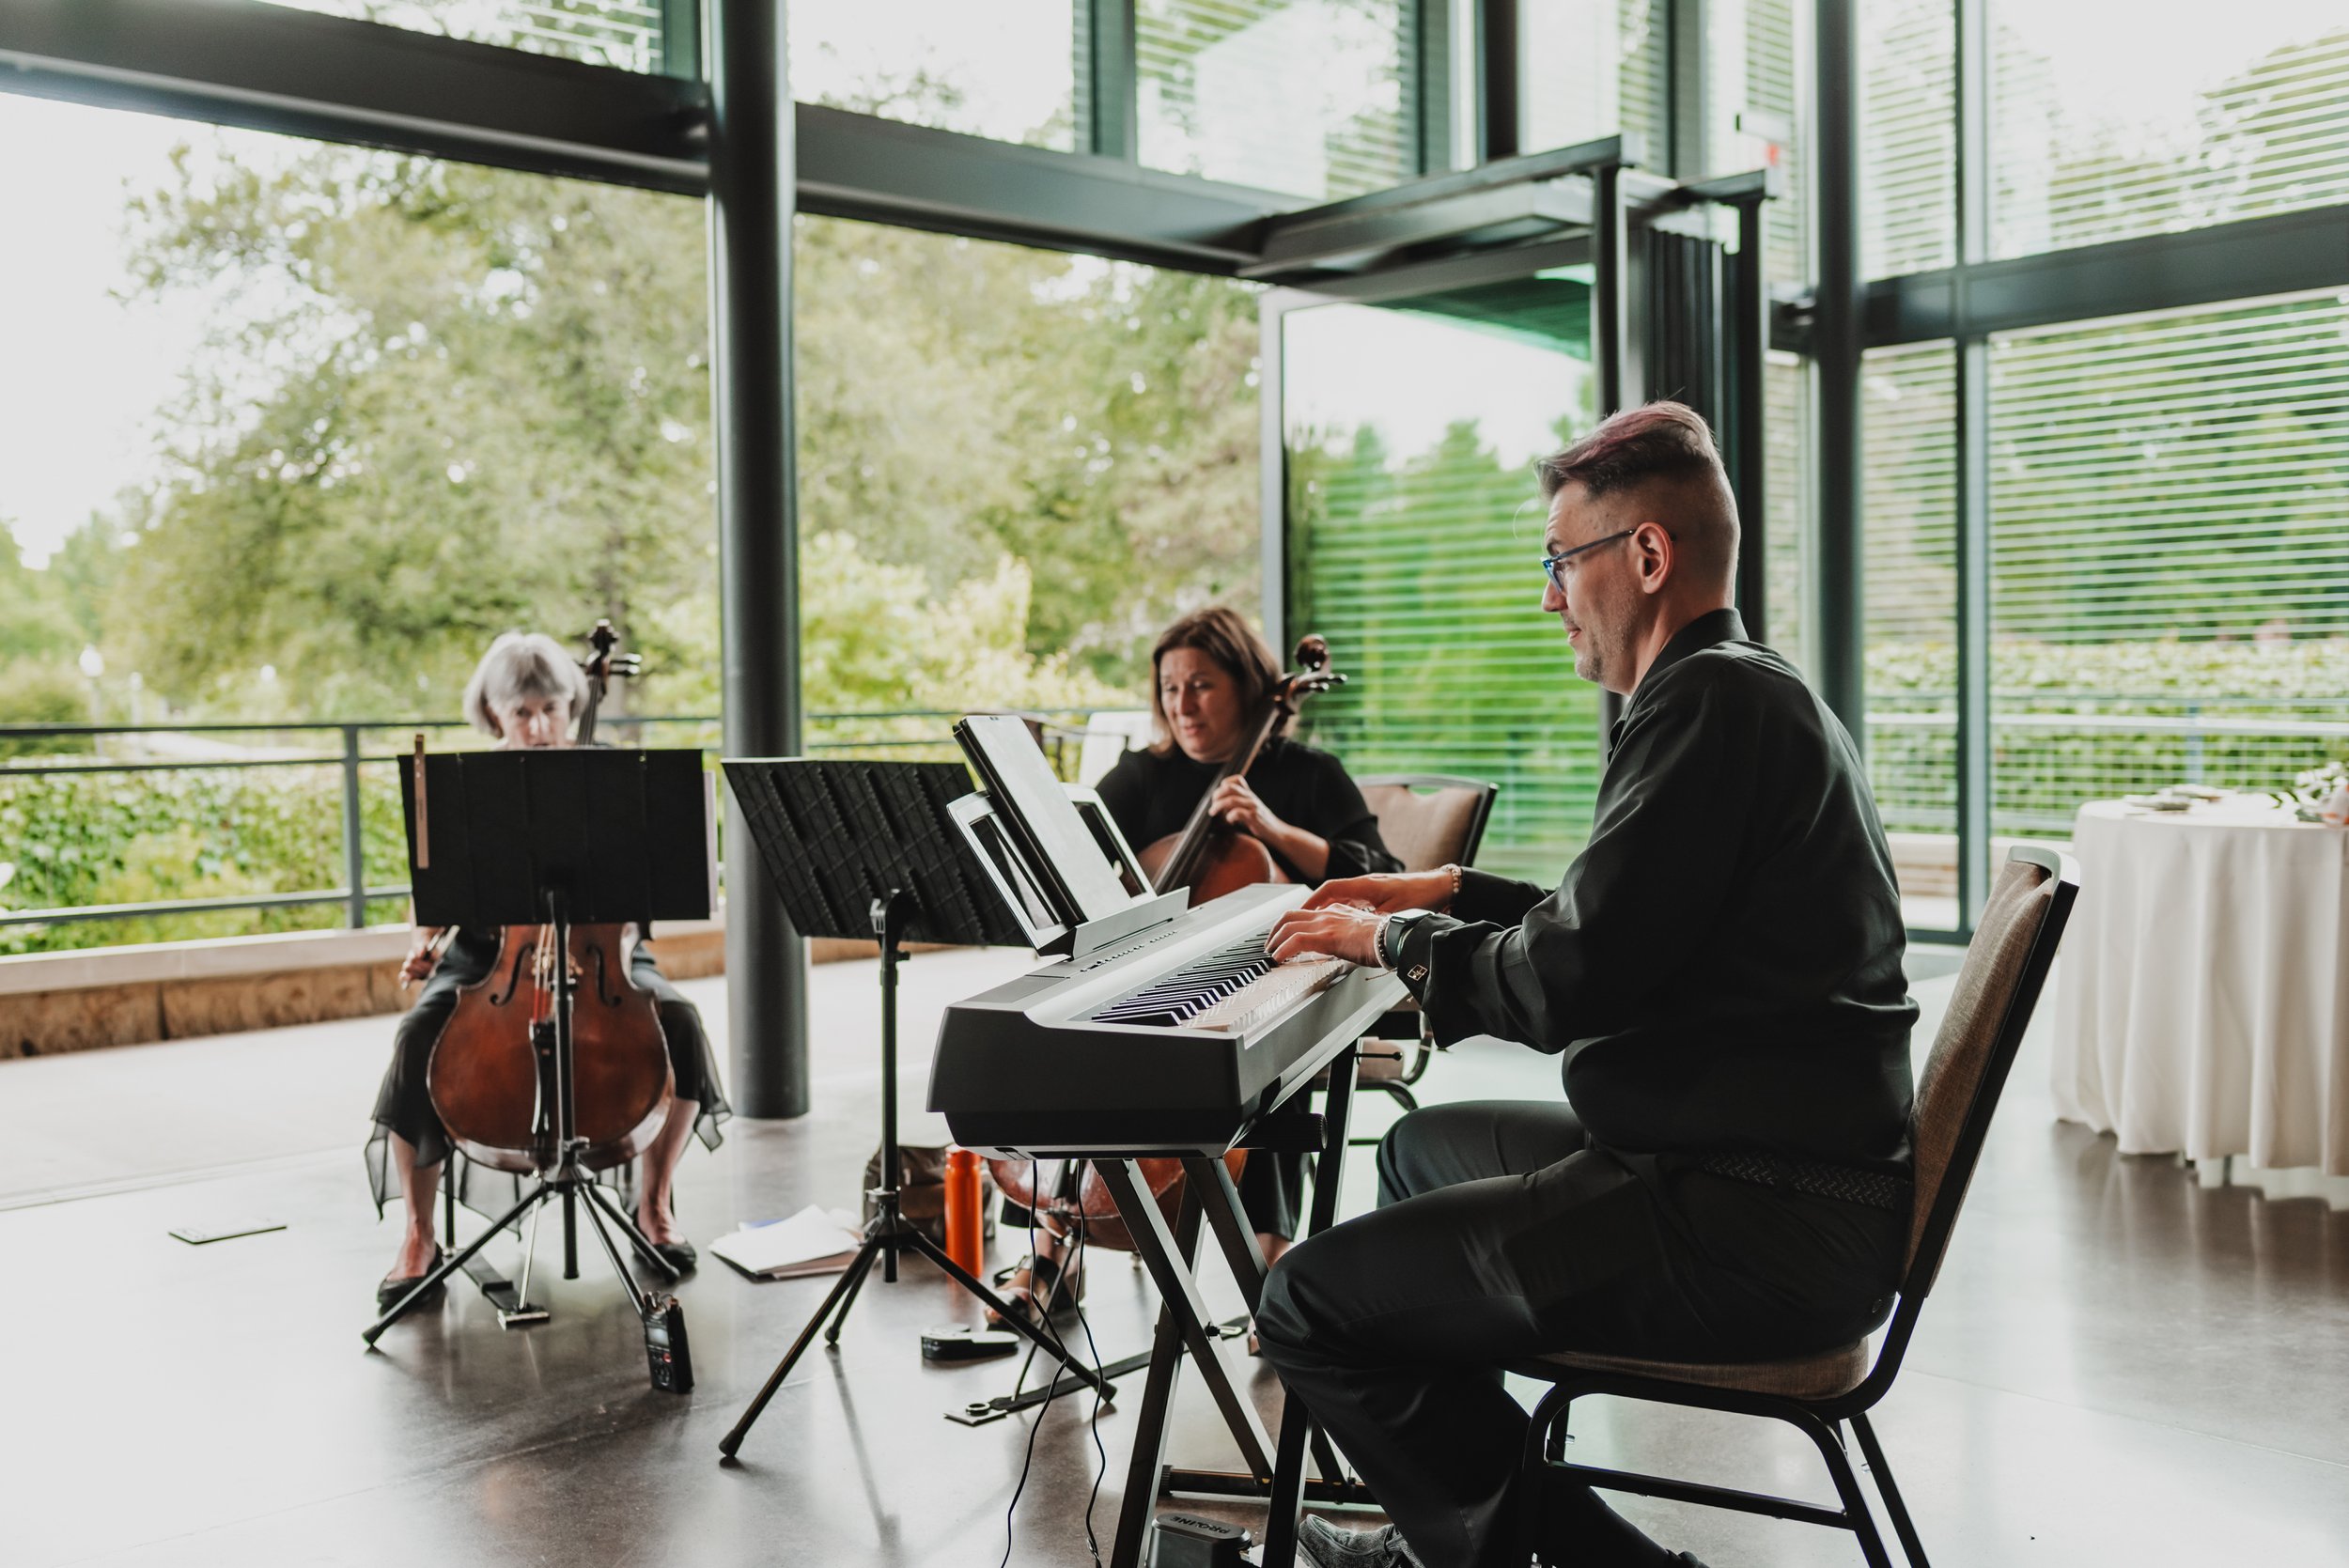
(587, 836)
(863, 849)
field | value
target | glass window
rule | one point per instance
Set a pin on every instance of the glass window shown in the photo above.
(1589, 69)
(1414, 532)
(1786, 553)
(1756, 54)
(1313, 97)
(1016, 466)
(1909, 496)
(2170, 589)
(292, 431)
(1005, 69)
(1907, 136)
(622, 33)
(2180, 117)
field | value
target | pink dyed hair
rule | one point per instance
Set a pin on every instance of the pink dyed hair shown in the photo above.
(1655, 440)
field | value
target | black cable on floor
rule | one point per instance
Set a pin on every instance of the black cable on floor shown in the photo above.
(1046, 1328)
(1101, 1468)
(1028, 1460)
(1073, 1269)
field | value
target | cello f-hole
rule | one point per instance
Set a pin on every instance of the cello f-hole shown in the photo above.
(513, 981)
(604, 994)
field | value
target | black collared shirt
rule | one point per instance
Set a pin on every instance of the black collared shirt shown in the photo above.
(1722, 966)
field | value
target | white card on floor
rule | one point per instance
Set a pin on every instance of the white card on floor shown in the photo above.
(196, 1235)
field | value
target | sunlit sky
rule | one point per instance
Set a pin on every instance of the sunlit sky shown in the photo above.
(84, 373)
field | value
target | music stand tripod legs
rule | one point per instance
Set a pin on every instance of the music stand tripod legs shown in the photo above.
(889, 1232)
(563, 1180)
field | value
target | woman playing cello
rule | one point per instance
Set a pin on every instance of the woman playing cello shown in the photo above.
(527, 693)
(1212, 681)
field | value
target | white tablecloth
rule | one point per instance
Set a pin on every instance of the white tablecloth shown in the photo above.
(2204, 1006)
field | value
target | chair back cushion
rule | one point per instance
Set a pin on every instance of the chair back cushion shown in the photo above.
(1963, 1052)
(1428, 831)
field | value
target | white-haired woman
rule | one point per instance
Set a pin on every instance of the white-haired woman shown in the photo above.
(527, 693)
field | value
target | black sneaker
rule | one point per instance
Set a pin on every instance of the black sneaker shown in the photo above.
(1325, 1545)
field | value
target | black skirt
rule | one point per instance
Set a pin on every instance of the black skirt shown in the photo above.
(404, 1107)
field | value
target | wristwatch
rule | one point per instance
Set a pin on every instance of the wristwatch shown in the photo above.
(1391, 931)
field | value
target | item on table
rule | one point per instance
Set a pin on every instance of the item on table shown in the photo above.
(2156, 802)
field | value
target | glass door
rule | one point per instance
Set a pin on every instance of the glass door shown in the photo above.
(1404, 425)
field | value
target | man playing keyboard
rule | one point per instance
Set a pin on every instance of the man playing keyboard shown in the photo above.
(1727, 1178)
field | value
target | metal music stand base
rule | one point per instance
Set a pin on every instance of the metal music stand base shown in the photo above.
(889, 1232)
(561, 1182)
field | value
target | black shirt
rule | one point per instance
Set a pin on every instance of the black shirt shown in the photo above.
(1152, 794)
(1722, 966)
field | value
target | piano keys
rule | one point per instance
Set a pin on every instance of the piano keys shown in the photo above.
(1173, 1041)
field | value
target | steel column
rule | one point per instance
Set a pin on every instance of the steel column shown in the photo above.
(1272, 483)
(354, 833)
(1973, 472)
(1497, 79)
(1611, 284)
(1841, 665)
(681, 39)
(1109, 114)
(752, 175)
(1610, 336)
(1689, 91)
(1431, 92)
(1747, 317)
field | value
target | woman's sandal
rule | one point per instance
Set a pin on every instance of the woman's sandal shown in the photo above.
(1057, 1294)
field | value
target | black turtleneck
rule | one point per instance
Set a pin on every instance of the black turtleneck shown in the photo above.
(1151, 794)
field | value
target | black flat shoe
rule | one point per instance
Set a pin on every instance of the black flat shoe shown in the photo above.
(388, 1294)
(678, 1255)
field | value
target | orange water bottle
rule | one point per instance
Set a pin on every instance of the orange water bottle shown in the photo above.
(963, 1235)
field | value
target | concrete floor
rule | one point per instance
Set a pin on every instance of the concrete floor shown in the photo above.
(2123, 1363)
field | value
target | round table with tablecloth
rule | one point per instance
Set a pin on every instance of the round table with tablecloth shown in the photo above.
(2203, 1007)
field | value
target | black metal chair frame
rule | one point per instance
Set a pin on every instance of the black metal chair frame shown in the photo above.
(1820, 1420)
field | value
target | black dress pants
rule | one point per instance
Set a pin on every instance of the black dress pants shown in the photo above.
(1502, 1234)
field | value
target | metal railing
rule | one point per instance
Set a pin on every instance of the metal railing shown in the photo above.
(2052, 752)
(896, 731)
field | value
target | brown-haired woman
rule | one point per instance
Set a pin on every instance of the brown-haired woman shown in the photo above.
(1211, 679)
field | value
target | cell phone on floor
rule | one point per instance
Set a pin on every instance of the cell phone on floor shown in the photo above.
(196, 1235)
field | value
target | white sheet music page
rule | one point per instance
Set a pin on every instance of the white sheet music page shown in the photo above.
(1042, 802)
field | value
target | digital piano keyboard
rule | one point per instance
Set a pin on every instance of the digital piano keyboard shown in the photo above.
(1172, 1041)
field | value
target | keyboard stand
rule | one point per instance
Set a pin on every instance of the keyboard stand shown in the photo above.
(1275, 1471)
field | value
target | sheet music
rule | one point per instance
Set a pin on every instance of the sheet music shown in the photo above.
(1015, 766)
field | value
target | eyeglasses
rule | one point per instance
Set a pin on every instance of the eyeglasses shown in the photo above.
(1550, 564)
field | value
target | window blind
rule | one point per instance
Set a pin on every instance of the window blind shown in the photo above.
(2202, 123)
(1317, 98)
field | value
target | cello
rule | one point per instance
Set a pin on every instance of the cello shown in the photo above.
(493, 1063)
(1210, 858)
